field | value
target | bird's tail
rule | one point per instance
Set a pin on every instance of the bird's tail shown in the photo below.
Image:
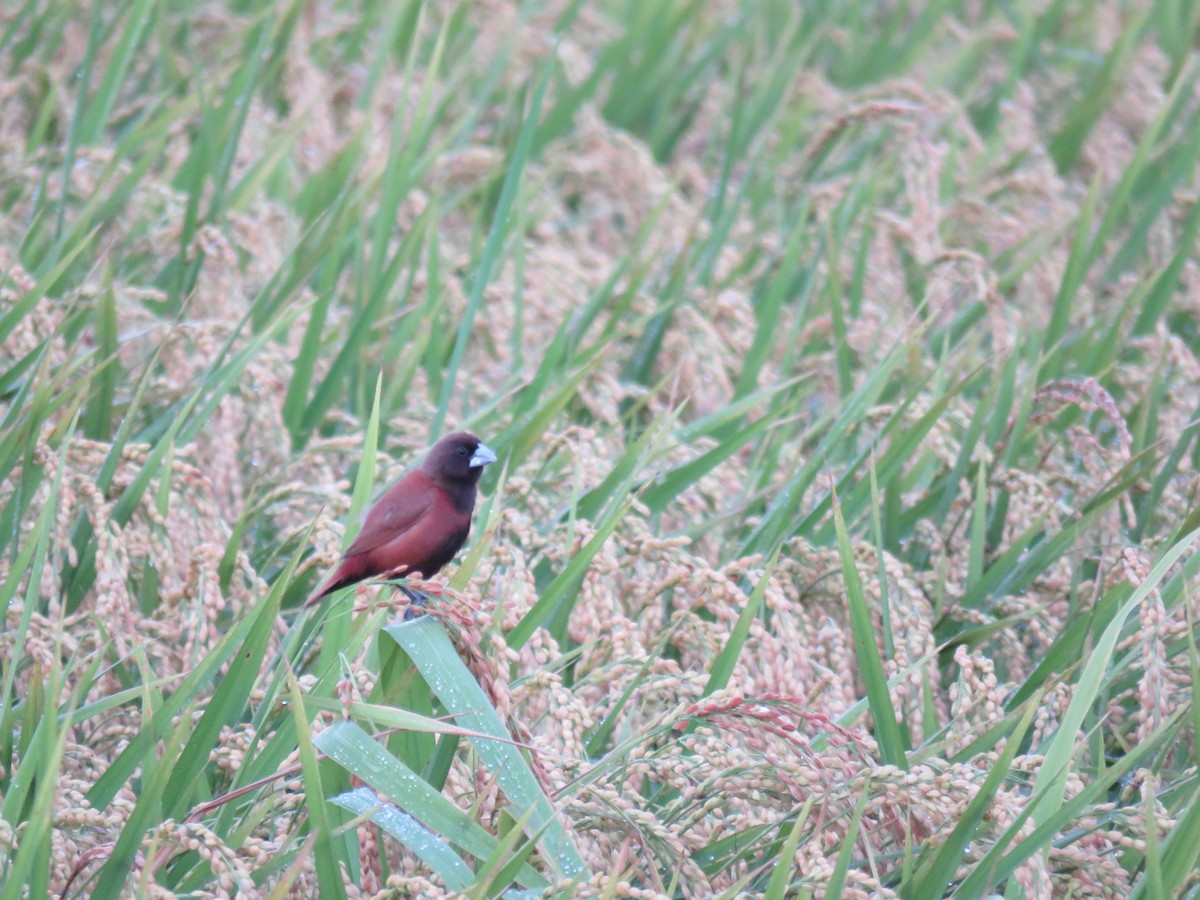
(336, 581)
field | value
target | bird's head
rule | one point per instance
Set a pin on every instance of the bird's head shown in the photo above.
(459, 457)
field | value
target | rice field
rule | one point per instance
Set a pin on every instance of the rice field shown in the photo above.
(842, 360)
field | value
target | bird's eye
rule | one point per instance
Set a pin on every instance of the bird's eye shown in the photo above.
(462, 451)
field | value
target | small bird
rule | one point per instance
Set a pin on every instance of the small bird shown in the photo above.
(421, 522)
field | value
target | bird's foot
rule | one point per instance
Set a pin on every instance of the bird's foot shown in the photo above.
(417, 602)
(462, 606)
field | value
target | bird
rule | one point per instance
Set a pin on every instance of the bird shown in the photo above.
(421, 522)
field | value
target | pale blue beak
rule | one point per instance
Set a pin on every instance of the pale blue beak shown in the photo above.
(483, 455)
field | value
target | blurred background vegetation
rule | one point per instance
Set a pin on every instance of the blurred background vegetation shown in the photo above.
(841, 358)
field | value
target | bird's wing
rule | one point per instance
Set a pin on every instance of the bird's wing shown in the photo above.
(395, 512)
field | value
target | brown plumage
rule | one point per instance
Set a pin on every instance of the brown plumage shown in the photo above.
(422, 521)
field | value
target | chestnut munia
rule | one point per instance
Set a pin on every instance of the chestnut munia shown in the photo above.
(422, 521)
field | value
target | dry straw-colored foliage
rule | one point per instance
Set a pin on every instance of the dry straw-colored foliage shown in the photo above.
(655, 609)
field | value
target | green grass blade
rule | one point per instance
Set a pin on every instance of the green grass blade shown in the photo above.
(777, 887)
(355, 750)
(892, 742)
(776, 524)
(462, 697)
(726, 661)
(431, 850)
(563, 590)
(491, 251)
(327, 858)
(837, 880)
(336, 626)
(1052, 775)
(1003, 858)
(936, 873)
